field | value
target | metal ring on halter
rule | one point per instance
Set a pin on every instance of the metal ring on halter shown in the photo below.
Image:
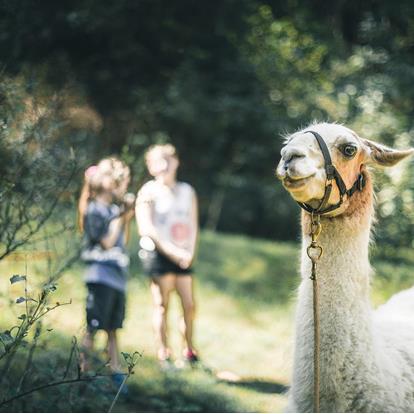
(314, 252)
(316, 229)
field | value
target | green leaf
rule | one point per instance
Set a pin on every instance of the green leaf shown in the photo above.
(22, 317)
(126, 356)
(22, 299)
(49, 287)
(17, 278)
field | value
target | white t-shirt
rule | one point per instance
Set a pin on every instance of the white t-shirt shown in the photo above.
(172, 211)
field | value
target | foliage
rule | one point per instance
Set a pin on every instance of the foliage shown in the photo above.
(39, 170)
(223, 81)
(38, 162)
(23, 372)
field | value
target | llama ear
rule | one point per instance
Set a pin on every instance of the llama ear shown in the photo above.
(384, 156)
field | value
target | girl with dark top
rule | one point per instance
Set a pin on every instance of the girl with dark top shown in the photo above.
(167, 219)
(105, 225)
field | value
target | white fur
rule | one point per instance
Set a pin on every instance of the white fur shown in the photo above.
(367, 356)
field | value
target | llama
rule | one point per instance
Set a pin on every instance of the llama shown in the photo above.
(366, 356)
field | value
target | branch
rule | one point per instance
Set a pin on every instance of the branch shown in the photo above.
(131, 360)
(12, 245)
(72, 351)
(30, 357)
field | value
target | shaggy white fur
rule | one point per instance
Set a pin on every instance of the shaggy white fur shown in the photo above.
(367, 356)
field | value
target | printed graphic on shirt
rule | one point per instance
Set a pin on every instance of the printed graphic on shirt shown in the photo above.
(180, 233)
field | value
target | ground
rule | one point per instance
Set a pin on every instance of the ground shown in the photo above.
(245, 290)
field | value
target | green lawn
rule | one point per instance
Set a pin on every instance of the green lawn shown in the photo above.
(245, 291)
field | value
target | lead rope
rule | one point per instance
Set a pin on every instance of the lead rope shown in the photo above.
(314, 252)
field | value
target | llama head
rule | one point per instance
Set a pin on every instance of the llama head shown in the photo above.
(302, 165)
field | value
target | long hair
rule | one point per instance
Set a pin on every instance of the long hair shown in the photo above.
(85, 195)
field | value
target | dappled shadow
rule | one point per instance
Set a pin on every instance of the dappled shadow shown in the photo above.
(150, 390)
(265, 387)
(176, 394)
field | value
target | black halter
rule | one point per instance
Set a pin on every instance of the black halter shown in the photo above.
(332, 174)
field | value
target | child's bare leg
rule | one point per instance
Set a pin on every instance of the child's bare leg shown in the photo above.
(113, 352)
(184, 288)
(161, 288)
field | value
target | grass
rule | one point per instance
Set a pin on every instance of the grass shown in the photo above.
(245, 304)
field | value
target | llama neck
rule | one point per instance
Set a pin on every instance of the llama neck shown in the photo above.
(345, 312)
(343, 270)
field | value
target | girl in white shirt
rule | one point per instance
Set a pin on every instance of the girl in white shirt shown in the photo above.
(167, 219)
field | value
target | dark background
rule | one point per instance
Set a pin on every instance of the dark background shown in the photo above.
(221, 80)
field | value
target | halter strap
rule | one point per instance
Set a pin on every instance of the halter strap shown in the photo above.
(332, 174)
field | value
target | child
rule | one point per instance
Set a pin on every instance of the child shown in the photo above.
(105, 225)
(167, 219)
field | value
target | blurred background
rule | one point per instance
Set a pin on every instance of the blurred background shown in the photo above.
(223, 81)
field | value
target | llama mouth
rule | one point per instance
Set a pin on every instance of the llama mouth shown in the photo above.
(294, 183)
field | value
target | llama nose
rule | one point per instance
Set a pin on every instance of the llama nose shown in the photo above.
(292, 155)
(286, 165)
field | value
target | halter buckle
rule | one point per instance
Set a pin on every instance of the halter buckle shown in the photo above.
(330, 172)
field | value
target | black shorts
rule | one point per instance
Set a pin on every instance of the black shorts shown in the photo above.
(156, 264)
(105, 307)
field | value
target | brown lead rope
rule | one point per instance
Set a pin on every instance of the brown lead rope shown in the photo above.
(314, 252)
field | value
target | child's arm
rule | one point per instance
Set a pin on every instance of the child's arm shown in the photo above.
(195, 227)
(128, 217)
(115, 228)
(147, 228)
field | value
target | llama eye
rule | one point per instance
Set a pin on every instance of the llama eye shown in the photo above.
(349, 150)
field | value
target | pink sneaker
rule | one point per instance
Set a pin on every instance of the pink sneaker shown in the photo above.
(191, 357)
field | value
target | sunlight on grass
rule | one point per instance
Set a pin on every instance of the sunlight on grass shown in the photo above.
(245, 292)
